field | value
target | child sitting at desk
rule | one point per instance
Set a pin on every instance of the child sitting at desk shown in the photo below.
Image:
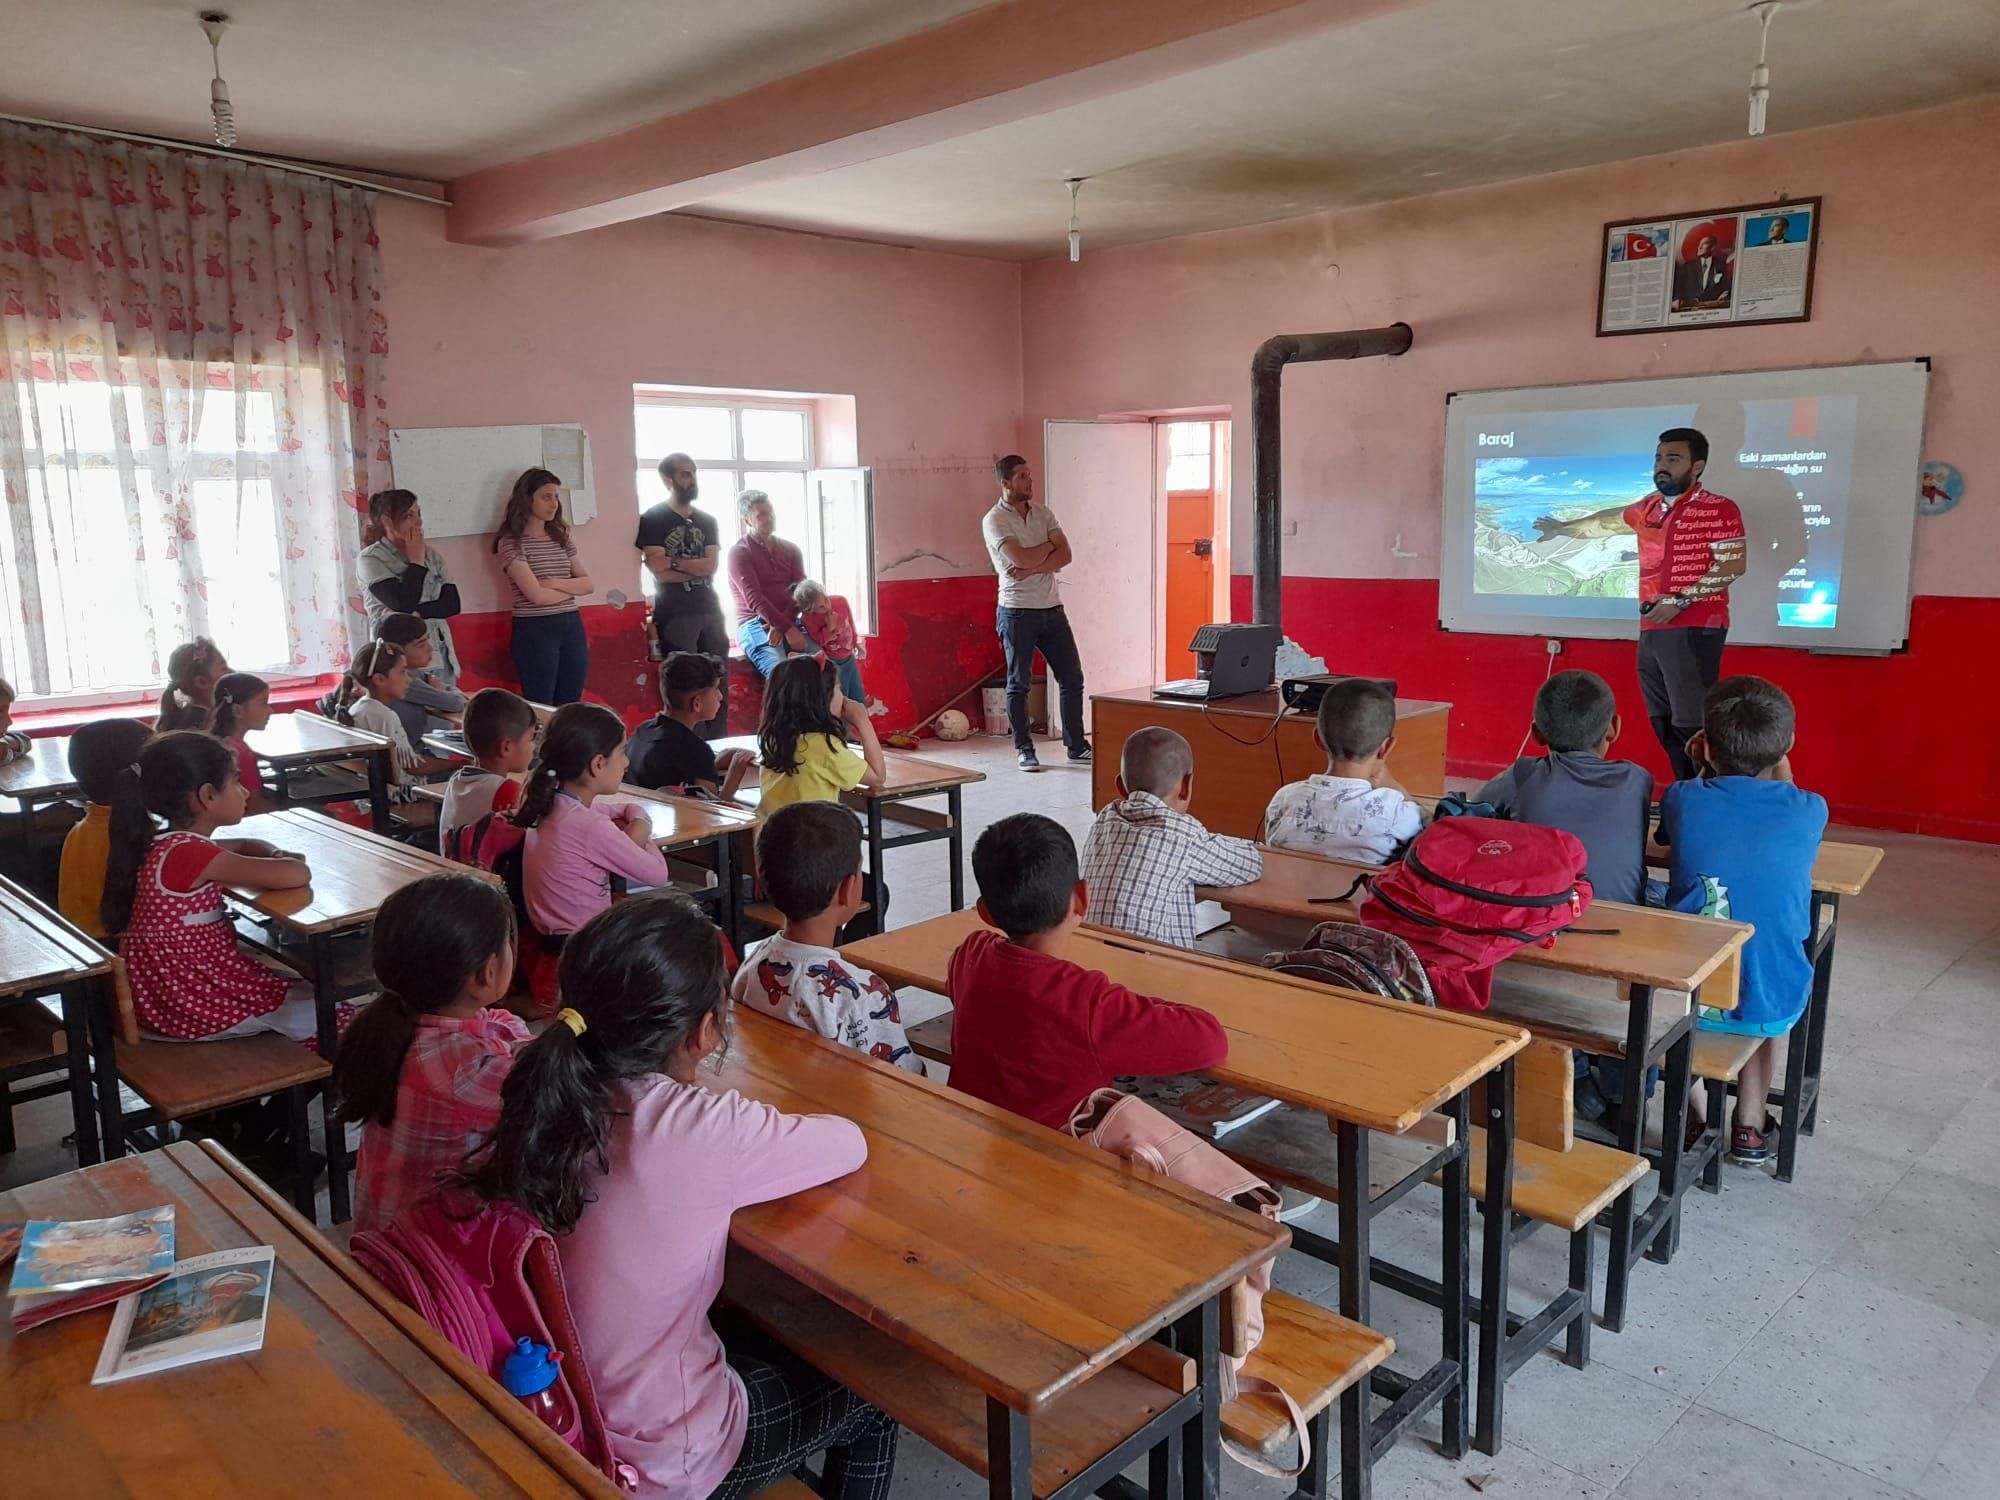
(1745, 824)
(421, 1066)
(500, 738)
(1145, 854)
(376, 680)
(193, 669)
(13, 743)
(668, 752)
(1032, 1031)
(809, 861)
(163, 893)
(99, 753)
(428, 701)
(802, 741)
(1607, 804)
(243, 703)
(610, 1140)
(574, 849)
(1355, 810)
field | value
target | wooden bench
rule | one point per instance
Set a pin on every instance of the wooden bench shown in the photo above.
(1310, 1353)
(33, 1044)
(179, 1080)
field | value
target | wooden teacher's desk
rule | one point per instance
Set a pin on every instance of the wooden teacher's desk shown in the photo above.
(1241, 756)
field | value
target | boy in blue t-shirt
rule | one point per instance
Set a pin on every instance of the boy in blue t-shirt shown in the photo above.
(1746, 825)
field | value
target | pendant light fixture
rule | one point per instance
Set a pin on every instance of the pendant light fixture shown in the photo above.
(214, 22)
(1075, 234)
(1760, 76)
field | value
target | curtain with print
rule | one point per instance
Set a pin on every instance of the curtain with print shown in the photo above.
(192, 411)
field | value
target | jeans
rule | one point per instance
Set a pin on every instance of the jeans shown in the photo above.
(551, 657)
(1677, 667)
(699, 630)
(764, 649)
(849, 673)
(1023, 632)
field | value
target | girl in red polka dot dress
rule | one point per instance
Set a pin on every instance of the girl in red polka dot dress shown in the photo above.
(163, 892)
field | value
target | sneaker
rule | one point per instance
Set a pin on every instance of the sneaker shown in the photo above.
(1588, 1100)
(1293, 1204)
(1081, 757)
(1748, 1145)
(1691, 1137)
(1027, 760)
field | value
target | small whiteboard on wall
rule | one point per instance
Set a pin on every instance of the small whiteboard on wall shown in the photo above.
(463, 475)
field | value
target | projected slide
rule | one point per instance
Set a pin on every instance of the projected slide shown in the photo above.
(1800, 463)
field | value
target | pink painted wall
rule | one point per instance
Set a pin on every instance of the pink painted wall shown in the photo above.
(1500, 283)
(928, 345)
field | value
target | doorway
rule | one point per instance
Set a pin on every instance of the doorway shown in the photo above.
(1192, 462)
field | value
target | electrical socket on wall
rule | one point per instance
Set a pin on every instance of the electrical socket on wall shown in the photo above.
(1291, 528)
(1555, 647)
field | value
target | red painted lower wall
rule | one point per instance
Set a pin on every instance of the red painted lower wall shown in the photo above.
(1904, 742)
(936, 639)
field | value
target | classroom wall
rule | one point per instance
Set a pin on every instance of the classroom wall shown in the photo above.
(1499, 284)
(928, 345)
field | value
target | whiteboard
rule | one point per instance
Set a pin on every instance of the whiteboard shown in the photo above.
(1823, 464)
(463, 475)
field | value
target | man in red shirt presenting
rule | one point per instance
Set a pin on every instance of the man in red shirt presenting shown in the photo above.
(1691, 548)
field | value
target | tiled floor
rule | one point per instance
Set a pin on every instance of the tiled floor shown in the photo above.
(1837, 1338)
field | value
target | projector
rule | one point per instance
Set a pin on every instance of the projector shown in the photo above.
(1304, 693)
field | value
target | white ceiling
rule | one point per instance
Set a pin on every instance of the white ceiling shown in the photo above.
(1443, 95)
(1436, 95)
(427, 88)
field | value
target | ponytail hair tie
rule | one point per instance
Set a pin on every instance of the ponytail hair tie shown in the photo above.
(573, 1020)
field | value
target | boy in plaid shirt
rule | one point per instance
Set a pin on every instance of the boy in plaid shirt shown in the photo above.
(1145, 854)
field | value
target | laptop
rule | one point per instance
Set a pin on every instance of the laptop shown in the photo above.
(1240, 660)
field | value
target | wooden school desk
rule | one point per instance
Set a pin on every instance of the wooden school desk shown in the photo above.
(1367, 1064)
(1241, 759)
(910, 777)
(1017, 1260)
(1650, 950)
(41, 954)
(684, 823)
(42, 775)
(351, 1395)
(294, 741)
(353, 873)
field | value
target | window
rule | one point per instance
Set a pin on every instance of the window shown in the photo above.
(740, 443)
(107, 572)
(1188, 447)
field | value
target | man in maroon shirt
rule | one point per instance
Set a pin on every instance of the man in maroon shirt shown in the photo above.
(1691, 548)
(762, 569)
(1031, 1031)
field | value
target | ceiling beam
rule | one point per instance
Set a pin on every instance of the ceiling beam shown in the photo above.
(1007, 62)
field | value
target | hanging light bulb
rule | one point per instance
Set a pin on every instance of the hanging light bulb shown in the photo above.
(220, 110)
(1760, 76)
(1075, 234)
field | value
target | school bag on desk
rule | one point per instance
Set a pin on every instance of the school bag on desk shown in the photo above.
(1472, 891)
(1357, 958)
(1130, 1127)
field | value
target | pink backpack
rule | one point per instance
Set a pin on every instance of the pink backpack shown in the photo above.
(1130, 1127)
(482, 1281)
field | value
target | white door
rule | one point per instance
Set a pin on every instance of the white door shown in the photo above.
(1098, 479)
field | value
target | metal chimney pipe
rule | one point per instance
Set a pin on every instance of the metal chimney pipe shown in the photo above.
(1267, 369)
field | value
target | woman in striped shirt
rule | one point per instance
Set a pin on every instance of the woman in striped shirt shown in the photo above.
(551, 654)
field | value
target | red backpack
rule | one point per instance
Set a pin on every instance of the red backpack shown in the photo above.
(482, 1281)
(1472, 891)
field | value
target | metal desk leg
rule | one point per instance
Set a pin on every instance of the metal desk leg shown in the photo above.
(104, 1064)
(1822, 991)
(329, 1039)
(955, 809)
(378, 790)
(1357, 1436)
(1010, 1455)
(1199, 1334)
(876, 857)
(1631, 1126)
(1679, 1080)
(76, 1038)
(1494, 1251)
(1455, 1286)
(729, 913)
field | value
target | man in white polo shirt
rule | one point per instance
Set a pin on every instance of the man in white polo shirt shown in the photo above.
(1028, 549)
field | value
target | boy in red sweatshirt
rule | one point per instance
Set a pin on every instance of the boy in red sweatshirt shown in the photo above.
(1032, 1031)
